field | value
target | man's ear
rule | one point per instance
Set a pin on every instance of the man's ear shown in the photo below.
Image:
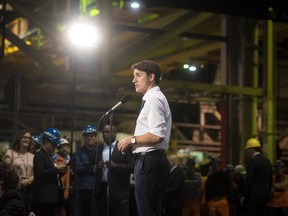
(152, 77)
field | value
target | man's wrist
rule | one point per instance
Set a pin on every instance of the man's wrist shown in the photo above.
(133, 140)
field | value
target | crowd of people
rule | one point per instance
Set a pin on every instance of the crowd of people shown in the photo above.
(41, 182)
(134, 176)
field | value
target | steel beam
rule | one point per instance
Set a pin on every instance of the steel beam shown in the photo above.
(149, 43)
(2, 27)
(269, 114)
(30, 51)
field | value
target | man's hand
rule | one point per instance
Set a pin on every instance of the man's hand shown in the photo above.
(125, 144)
(100, 164)
(113, 165)
(62, 167)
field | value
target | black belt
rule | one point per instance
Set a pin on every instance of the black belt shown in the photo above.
(154, 152)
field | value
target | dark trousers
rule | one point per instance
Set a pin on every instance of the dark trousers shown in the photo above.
(45, 209)
(151, 174)
(116, 207)
(176, 211)
(86, 205)
(278, 211)
(252, 209)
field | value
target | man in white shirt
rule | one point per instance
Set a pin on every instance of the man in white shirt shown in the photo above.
(150, 140)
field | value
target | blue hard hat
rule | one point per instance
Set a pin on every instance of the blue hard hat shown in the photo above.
(37, 139)
(53, 135)
(89, 129)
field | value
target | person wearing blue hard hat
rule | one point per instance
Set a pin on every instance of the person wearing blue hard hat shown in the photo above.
(46, 175)
(86, 182)
(35, 144)
(89, 129)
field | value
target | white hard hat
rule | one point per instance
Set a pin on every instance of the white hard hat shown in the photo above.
(64, 141)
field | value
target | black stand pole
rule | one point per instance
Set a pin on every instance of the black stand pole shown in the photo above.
(73, 193)
(109, 164)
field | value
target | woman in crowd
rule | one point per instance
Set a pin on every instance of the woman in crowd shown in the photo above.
(19, 156)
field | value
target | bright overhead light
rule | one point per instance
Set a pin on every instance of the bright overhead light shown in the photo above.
(84, 35)
(189, 67)
(186, 66)
(135, 4)
(192, 68)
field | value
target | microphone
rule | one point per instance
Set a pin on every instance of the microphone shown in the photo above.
(123, 100)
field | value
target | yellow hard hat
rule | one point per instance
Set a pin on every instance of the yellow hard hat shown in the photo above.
(252, 143)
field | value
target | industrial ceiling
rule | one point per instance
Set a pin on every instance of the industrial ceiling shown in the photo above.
(45, 82)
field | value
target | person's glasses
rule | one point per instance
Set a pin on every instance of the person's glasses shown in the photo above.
(26, 137)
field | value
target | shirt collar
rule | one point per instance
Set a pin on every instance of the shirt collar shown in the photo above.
(112, 146)
(150, 92)
(256, 153)
(173, 168)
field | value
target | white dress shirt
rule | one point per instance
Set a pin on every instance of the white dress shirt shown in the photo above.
(105, 157)
(155, 117)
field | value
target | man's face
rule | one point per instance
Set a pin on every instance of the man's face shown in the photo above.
(249, 152)
(51, 147)
(63, 149)
(33, 146)
(106, 134)
(90, 139)
(142, 81)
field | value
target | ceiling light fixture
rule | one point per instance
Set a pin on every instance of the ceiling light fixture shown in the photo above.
(84, 35)
(135, 4)
(190, 67)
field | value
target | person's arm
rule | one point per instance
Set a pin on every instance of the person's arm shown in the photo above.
(42, 171)
(66, 184)
(248, 182)
(7, 157)
(249, 179)
(80, 165)
(155, 114)
(124, 164)
(147, 139)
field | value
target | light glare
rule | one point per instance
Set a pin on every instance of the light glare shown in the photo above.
(84, 35)
(192, 68)
(135, 5)
(185, 66)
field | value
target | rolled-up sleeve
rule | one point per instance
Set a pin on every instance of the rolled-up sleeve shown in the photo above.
(156, 117)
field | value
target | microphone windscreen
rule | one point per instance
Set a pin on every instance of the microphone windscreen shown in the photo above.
(124, 99)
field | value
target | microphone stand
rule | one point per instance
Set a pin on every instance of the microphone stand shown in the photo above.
(109, 164)
(110, 113)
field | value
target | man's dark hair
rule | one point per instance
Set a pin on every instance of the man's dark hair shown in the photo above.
(149, 67)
